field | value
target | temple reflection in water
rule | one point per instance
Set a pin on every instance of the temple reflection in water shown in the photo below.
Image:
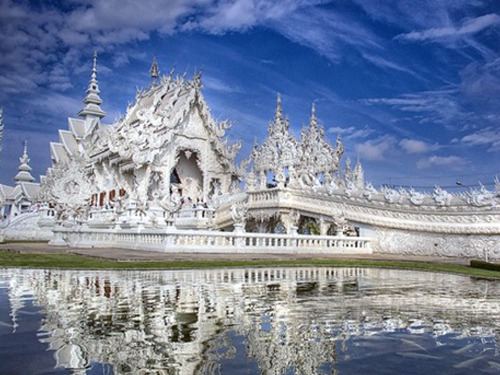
(300, 320)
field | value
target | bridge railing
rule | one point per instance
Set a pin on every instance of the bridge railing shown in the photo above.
(198, 241)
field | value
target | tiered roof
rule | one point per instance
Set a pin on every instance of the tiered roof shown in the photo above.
(24, 174)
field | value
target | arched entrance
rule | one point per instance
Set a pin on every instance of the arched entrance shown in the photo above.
(189, 176)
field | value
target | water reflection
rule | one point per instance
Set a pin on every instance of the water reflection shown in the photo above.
(257, 321)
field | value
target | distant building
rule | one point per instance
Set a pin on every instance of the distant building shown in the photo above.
(23, 196)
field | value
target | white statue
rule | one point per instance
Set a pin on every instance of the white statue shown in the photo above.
(416, 198)
(442, 197)
(369, 191)
(482, 197)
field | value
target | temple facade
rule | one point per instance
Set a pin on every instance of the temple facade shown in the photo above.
(164, 177)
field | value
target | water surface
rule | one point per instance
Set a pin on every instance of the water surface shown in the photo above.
(248, 321)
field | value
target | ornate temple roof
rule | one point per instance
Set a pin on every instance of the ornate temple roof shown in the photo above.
(161, 113)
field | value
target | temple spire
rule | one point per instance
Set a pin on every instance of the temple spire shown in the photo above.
(279, 107)
(154, 72)
(313, 123)
(359, 174)
(92, 100)
(24, 169)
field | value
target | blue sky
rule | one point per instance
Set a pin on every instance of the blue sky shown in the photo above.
(413, 87)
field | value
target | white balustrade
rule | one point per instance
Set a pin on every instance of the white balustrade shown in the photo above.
(197, 241)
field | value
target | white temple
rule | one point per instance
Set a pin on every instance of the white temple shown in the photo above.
(163, 177)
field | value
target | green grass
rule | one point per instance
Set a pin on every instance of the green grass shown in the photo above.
(73, 261)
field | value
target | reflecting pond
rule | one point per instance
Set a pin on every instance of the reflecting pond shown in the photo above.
(248, 321)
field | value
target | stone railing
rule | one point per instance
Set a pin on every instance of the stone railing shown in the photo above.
(195, 218)
(197, 241)
(228, 199)
(197, 213)
(267, 195)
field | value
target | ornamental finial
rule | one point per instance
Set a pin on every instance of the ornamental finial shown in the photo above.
(154, 72)
(24, 174)
(279, 107)
(313, 123)
(92, 100)
(94, 65)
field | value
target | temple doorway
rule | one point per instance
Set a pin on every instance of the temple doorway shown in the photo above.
(189, 176)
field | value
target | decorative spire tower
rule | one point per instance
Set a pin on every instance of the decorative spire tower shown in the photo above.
(348, 175)
(280, 124)
(359, 175)
(279, 106)
(24, 174)
(93, 102)
(313, 122)
(154, 72)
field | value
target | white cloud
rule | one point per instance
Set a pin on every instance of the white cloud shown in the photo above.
(452, 161)
(216, 84)
(414, 146)
(375, 149)
(326, 32)
(64, 34)
(60, 105)
(383, 63)
(484, 137)
(429, 107)
(416, 14)
(482, 81)
(469, 26)
(351, 132)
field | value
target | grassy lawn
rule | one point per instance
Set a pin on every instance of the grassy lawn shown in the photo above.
(73, 261)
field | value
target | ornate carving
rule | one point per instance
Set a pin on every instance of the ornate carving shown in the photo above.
(67, 184)
(428, 244)
(173, 202)
(239, 213)
(442, 197)
(481, 197)
(290, 221)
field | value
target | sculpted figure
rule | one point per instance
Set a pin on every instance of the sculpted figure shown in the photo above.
(370, 191)
(351, 189)
(290, 221)
(172, 203)
(280, 178)
(416, 198)
(442, 197)
(119, 208)
(316, 184)
(333, 186)
(480, 198)
(306, 179)
(239, 213)
(390, 195)
(251, 183)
